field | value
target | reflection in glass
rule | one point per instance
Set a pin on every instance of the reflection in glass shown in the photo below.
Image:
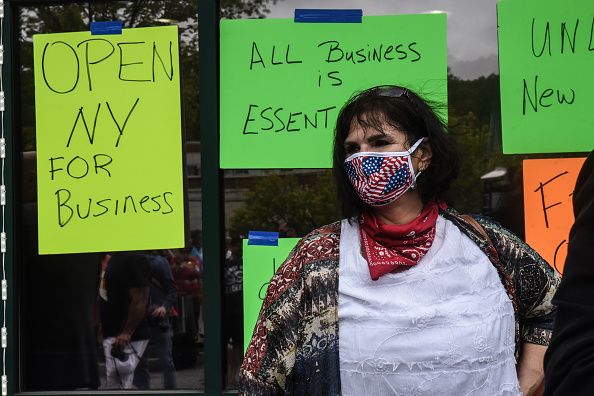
(66, 310)
(283, 200)
(290, 201)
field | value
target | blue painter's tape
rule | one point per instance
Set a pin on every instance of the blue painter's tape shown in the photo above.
(111, 27)
(328, 16)
(263, 238)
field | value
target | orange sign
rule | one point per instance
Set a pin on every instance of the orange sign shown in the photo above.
(548, 208)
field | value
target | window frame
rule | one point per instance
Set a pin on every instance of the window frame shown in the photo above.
(212, 208)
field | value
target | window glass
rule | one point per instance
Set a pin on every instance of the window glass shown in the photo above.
(290, 201)
(295, 201)
(71, 304)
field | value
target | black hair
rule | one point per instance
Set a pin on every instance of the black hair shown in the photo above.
(406, 111)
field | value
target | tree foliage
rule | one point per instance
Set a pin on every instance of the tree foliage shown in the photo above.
(232, 9)
(473, 123)
(292, 204)
(477, 159)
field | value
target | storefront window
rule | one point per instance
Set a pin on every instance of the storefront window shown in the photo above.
(65, 314)
(60, 309)
(296, 201)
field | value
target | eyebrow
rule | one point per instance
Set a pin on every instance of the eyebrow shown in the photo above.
(378, 136)
(372, 137)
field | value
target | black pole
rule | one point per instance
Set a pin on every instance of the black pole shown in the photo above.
(212, 214)
(8, 68)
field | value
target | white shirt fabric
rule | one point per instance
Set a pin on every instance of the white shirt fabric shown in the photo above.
(443, 327)
(120, 374)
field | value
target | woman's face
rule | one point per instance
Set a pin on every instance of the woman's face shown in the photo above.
(361, 139)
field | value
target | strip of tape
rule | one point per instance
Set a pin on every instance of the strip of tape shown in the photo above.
(328, 16)
(111, 27)
(263, 238)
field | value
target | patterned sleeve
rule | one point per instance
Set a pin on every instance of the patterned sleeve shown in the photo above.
(270, 356)
(534, 280)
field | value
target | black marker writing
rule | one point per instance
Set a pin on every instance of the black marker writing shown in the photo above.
(540, 188)
(80, 117)
(142, 69)
(264, 287)
(78, 167)
(544, 98)
(275, 60)
(67, 206)
(88, 62)
(44, 72)
(261, 119)
(566, 38)
(563, 242)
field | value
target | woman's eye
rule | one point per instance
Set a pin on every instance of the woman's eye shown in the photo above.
(380, 143)
(351, 149)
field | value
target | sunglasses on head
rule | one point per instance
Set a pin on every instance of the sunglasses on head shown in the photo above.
(392, 92)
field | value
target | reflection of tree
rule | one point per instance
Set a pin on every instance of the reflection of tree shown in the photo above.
(232, 9)
(140, 13)
(292, 204)
(479, 96)
(474, 125)
(477, 158)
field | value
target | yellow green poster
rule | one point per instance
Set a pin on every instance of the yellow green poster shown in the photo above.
(108, 137)
(283, 83)
(259, 265)
(546, 59)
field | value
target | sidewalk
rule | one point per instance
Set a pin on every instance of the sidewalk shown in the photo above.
(188, 378)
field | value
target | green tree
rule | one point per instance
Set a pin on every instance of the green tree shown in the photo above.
(293, 204)
(476, 159)
(474, 124)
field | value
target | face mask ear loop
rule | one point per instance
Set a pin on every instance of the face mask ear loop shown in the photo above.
(416, 176)
(410, 164)
(415, 146)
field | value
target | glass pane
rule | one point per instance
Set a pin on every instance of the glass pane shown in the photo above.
(489, 182)
(290, 201)
(72, 305)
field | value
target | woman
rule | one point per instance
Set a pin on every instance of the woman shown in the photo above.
(426, 301)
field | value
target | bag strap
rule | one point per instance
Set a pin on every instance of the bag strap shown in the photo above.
(479, 228)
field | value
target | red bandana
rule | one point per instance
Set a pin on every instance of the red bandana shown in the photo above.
(389, 247)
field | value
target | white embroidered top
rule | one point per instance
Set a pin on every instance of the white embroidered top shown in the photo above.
(442, 327)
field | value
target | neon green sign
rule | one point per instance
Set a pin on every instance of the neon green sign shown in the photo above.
(546, 58)
(283, 83)
(109, 158)
(259, 265)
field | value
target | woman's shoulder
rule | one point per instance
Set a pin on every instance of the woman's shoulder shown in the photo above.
(317, 250)
(510, 247)
(489, 225)
(332, 229)
(320, 244)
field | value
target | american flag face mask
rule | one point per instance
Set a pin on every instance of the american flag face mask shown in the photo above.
(380, 178)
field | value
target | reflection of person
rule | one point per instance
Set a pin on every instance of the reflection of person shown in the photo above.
(196, 244)
(569, 361)
(125, 329)
(162, 302)
(187, 271)
(425, 303)
(57, 297)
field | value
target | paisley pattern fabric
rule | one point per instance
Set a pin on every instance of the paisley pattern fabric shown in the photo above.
(294, 350)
